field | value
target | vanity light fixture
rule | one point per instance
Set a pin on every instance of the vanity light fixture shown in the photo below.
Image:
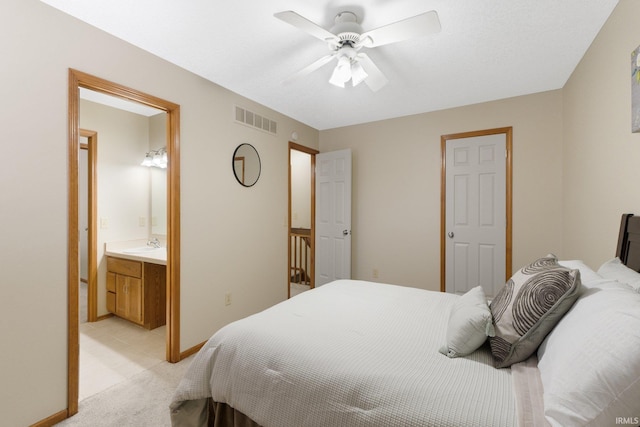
(148, 160)
(156, 158)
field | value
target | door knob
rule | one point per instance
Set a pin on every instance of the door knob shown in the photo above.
(345, 232)
(450, 234)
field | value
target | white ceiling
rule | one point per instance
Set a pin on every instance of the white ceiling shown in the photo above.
(487, 50)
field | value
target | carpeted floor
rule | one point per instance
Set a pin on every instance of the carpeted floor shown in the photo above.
(141, 401)
(297, 288)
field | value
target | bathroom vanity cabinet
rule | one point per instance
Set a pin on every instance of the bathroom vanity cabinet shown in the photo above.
(136, 291)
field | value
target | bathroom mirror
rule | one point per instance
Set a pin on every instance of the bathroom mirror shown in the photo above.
(246, 164)
(158, 175)
(158, 201)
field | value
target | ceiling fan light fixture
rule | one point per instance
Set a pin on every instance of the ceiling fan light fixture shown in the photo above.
(336, 78)
(342, 73)
(336, 83)
(357, 74)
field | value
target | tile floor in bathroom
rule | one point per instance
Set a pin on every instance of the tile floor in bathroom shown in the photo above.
(113, 350)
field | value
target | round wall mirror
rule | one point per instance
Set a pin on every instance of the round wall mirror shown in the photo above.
(246, 164)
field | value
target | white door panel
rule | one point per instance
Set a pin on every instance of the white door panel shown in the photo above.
(333, 216)
(475, 207)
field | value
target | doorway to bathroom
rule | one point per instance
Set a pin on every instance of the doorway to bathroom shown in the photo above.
(78, 81)
(131, 204)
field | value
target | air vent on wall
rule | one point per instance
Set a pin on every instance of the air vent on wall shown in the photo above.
(256, 121)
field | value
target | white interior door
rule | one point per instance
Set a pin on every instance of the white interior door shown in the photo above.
(333, 216)
(475, 220)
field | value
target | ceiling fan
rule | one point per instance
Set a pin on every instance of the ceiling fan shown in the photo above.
(346, 38)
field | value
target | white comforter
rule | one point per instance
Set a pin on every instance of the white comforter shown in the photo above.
(349, 353)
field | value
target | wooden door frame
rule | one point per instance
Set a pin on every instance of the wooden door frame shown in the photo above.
(508, 131)
(92, 215)
(77, 80)
(312, 238)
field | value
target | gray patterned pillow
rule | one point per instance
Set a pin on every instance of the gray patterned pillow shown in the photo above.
(529, 306)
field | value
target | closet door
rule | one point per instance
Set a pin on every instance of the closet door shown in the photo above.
(476, 208)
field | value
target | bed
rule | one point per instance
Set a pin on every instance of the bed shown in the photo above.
(356, 353)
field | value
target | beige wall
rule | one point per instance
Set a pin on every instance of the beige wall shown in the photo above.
(396, 185)
(601, 167)
(300, 189)
(233, 238)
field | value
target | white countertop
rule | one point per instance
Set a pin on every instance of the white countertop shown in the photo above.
(128, 250)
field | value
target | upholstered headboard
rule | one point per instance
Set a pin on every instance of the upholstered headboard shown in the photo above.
(628, 249)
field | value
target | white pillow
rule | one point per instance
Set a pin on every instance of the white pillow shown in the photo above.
(590, 364)
(589, 278)
(469, 325)
(616, 270)
(587, 275)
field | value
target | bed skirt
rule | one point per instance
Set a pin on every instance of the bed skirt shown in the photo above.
(223, 415)
(207, 413)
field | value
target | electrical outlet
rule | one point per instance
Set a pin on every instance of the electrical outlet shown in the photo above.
(104, 223)
(142, 221)
(375, 274)
(227, 298)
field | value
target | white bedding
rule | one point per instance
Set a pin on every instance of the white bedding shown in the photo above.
(349, 353)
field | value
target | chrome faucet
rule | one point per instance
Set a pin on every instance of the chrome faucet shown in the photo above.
(155, 243)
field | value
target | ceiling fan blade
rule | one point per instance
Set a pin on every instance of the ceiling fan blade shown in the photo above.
(298, 21)
(309, 68)
(416, 26)
(375, 79)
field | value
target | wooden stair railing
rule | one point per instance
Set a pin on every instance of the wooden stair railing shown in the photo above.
(300, 241)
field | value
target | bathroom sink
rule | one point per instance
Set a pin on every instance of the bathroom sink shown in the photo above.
(142, 250)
